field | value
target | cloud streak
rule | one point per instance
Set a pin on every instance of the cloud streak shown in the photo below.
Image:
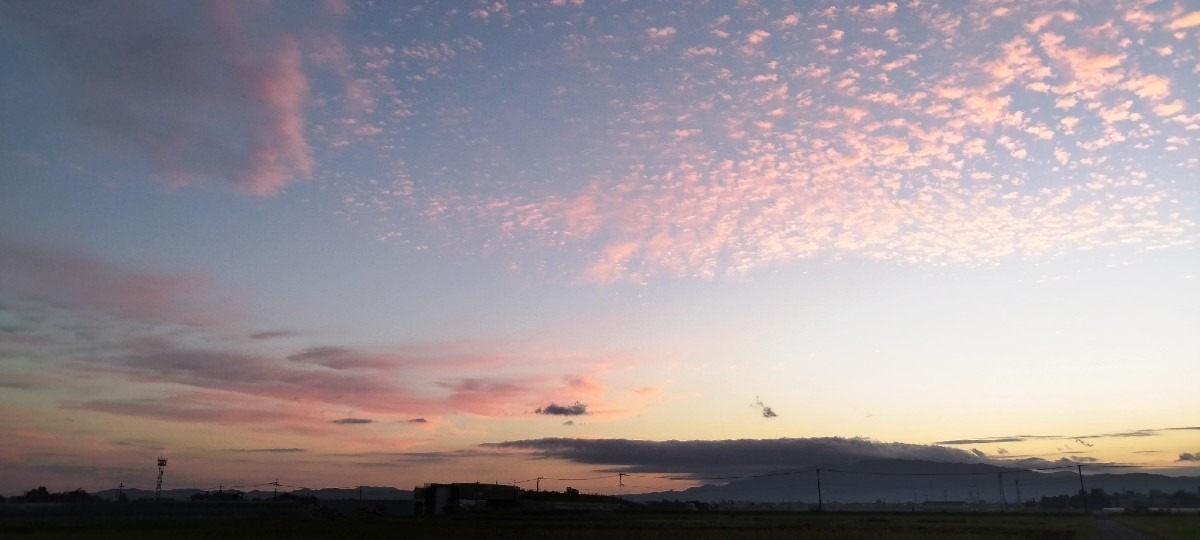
(269, 450)
(49, 276)
(272, 334)
(1081, 439)
(379, 384)
(352, 421)
(83, 318)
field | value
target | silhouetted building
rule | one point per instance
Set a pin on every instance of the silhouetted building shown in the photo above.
(443, 498)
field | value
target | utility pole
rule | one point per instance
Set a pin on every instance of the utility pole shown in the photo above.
(120, 491)
(820, 500)
(1020, 501)
(620, 490)
(538, 486)
(1082, 490)
(275, 493)
(1003, 499)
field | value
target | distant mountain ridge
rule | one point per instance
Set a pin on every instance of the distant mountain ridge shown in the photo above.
(889, 480)
(895, 480)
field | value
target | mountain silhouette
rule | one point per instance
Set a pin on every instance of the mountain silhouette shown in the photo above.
(894, 480)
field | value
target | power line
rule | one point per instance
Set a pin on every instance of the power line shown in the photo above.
(585, 479)
(764, 475)
(1119, 466)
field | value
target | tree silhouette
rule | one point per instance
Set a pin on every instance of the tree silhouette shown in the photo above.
(38, 494)
(42, 495)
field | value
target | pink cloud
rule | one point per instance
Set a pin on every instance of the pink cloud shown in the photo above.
(210, 375)
(1019, 61)
(1093, 72)
(339, 8)
(806, 136)
(1183, 22)
(66, 278)
(648, 391)
(586, 386)
(1169, 109)
(701, 51)
(230, 386)
(212, 93)
(280, 151)
(1152, 87)
(373, 390)
(758, 36)
(186, 409)
(610, 265)
(486, 397)
(340, 358)
(665, 32)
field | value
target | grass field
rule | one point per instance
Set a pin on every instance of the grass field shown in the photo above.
(1166, 526)
(575, 526)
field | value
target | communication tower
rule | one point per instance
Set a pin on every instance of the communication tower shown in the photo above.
(162, 464)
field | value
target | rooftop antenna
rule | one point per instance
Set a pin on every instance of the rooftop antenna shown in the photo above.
(162, 464)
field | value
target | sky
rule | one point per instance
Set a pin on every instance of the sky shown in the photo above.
(388, 243)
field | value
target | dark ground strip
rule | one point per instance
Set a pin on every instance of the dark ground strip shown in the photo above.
(1111, 529)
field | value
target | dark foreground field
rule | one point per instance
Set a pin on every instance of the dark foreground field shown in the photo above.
(582, 526)
(1165, 526)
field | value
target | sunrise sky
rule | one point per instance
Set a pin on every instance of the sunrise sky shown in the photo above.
(389, 243)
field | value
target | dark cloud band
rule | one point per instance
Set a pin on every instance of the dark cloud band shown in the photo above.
(1081, 439)
(553, 409)
(351, 421)
(729, 456)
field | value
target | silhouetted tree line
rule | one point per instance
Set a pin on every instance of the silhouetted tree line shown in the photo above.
(41, 495)
(1097, 498)
(231, 495)
(235, 495)
(678, 505)
(303, 499)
